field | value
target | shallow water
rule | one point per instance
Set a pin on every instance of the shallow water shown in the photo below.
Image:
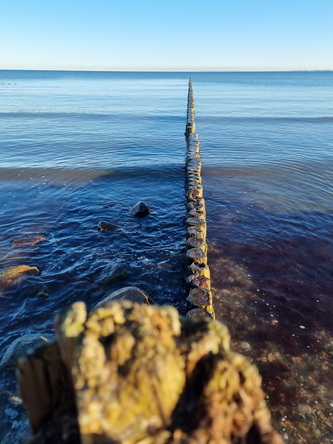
(78, 148)
(268, 187)
(272, 280)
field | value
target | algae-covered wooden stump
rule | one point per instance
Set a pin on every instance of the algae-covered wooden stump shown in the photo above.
(134, 373)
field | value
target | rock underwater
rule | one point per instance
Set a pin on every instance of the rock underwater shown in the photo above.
(13, 275)
(133, 294)
(20, 346)
(28, 242)
(136, 373)
(140, 209)
(106, 226)
(113, 272)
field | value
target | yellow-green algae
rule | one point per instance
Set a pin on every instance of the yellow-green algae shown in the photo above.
(11, 275)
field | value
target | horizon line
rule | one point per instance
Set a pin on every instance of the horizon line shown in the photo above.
(165, 70)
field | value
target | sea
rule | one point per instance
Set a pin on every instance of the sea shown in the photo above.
(78, 148)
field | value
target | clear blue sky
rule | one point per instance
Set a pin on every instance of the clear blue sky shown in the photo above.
(166, 34)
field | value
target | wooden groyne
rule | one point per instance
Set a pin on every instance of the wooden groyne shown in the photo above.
(198, 273)
(134, 373)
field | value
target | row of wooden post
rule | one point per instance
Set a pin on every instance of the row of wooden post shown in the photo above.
(198, 273)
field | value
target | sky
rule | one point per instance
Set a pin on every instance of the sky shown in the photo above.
(159, 35)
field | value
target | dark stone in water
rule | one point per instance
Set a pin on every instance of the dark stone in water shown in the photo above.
(105, 226)
(19, 346)
(28, 242)
(133, 294)
(113, 272)
(140, 209)
(13, 275)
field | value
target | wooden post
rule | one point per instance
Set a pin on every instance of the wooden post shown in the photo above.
(139, 374)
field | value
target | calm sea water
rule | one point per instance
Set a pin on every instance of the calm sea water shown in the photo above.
(77, 148)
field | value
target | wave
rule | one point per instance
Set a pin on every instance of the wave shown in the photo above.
(65, 175)
(91, 116)
(265, 119)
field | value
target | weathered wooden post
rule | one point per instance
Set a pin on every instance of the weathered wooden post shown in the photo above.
(129, 373)
(198, 274)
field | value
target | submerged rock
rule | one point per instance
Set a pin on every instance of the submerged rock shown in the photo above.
(12, 275)
(106, 226)
(14, 272)
(132, 294)
(18, 347)
(142, 374)
(28, 242)
(113, 272)
(140, 209)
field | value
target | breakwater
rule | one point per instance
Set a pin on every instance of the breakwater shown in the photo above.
(133, 372)
(267, 176)
(198, 273)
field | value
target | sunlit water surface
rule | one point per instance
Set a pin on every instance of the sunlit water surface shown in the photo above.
(78, 148)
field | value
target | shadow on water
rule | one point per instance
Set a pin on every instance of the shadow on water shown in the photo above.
(272, 276)
(65, 207)
(67, 212)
